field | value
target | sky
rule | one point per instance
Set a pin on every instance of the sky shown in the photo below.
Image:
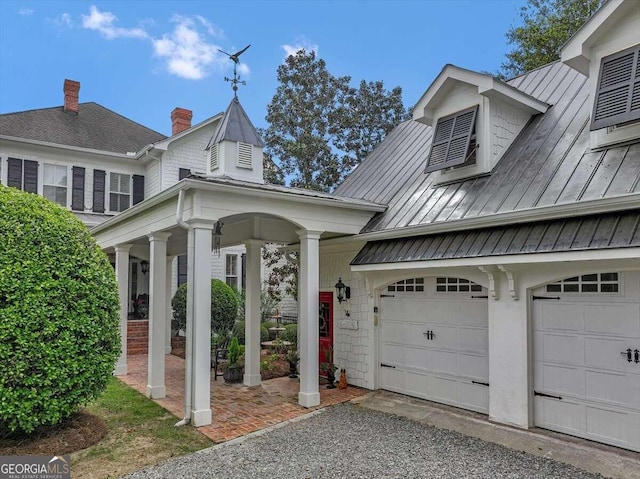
(142, 59)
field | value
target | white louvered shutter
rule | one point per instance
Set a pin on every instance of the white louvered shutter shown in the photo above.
(213, 157)
(245, 155)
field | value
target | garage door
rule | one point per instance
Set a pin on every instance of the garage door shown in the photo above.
(434, 341)
(586, 357)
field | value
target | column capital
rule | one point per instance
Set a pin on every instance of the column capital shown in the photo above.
(309, 234)
(202, 224)
(123, 248)
(159, 236)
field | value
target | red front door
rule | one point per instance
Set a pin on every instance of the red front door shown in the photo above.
(325, 325)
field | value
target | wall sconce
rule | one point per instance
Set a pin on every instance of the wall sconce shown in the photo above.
(344, 291)
(144, 266)
(217, 235)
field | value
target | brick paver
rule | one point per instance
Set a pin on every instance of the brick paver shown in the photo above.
(237, 409)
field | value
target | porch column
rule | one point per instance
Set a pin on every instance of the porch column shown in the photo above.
(122, 275)
(157, 314)
(168, 308)
(308, 297)
(252, 314)
(199, 305)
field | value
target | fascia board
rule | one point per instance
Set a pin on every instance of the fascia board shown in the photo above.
(541, 213)
(92, 151)
(514, 97)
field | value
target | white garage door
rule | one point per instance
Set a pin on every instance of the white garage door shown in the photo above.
(586, 364)
(434, 341)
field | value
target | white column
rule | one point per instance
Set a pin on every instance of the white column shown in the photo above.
(200, 295)
(122, 275)
(168, 308)
(252, 313)
(157, 314)
(308, 300)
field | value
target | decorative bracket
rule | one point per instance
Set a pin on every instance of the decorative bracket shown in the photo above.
(492, 282)
(511, 281)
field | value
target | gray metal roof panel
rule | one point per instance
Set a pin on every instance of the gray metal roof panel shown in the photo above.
(548, 163)
(611, 230)
(94, 127)
(236, 126)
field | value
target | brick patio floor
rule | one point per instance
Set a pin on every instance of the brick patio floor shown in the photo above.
(237, 409)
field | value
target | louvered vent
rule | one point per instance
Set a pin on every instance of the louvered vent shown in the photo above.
(618, 92)
(451, 140)
(213, 157)
(245, 154)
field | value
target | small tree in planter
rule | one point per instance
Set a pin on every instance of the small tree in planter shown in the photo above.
(233, 370)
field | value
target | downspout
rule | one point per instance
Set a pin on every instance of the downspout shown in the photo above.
(189, 331)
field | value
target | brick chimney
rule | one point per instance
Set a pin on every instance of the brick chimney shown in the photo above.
(180, 120)
(71, 95)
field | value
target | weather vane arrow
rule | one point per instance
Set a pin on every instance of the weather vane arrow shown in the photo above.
(235, 81)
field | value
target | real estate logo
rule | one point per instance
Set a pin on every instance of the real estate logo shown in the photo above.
(35, 467)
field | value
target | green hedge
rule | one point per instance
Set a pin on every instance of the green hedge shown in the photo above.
(291, 333)
(238, 331)
(59, 313)
(224, 307)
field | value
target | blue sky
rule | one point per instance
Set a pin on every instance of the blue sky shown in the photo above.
(142, 59)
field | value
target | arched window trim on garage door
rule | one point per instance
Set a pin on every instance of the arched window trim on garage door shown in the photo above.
(410, 285)
(588, 283)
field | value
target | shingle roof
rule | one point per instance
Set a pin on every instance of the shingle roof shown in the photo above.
(613, 230)
(549, 163)
(94, 127)
(236, 126)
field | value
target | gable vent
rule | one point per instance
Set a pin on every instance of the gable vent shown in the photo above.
(451, 140)
(618, 92)
(213, 157)
(245, 155)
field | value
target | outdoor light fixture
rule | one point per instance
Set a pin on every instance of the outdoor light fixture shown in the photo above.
(217, 235)
(144, 266)
(344, 291)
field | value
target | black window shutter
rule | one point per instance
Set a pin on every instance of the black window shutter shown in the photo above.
(618, 92)
(183, 173)
(77, 188)
(14, 173)
(243, 273)
(98, 190)
(138, 189)
(182, 269)
(31, 176)
(451, 140)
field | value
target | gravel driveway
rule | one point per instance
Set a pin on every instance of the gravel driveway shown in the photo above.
(347, 441)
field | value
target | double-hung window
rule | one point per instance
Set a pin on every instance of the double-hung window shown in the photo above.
(54, 183)
(119, 191)
(231, 270)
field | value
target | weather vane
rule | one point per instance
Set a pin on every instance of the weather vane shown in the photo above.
(235, 81)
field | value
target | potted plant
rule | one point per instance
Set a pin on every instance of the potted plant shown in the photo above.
(292, 358)
(329, 367)
(233, 370)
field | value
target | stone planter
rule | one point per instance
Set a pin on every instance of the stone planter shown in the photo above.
(232, 374)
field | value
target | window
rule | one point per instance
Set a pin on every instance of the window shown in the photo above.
(453, 142)
(456, 285)
(119, 192)
(407, 285)
(587, 283)
(54, 183)
(618, 91)
(231, 270)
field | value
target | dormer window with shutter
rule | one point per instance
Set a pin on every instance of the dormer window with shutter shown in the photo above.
(454, 141)
(617, 99)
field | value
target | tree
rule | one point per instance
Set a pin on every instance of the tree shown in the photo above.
(320, 127)
(59, 313)
(546, 26)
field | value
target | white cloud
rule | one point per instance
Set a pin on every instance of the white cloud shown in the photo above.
(186, 51)
(244, 70)
(103, 22)
(211, 29)
(26, 12)
(301, 43)
(62, 22)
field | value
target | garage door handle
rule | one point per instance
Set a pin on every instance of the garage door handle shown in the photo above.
(627, 353)
(480, 383)
(636, 356)
(387, 366)
(544, 395)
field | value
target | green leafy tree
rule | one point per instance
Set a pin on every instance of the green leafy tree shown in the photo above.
(59, 313)
(320, 127)
(546, 26)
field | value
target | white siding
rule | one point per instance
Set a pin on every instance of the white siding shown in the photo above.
(187, 152)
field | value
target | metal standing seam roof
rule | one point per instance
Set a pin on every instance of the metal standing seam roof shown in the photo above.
(612, 230)
(236, 126)
(549, 163)
(94, 127)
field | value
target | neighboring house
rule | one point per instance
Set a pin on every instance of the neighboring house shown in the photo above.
(98, 164)
(504, 275)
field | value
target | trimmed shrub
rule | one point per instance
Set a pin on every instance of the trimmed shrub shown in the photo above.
(59, 313)
(224, 307)
(238, 331)
(264, 333)
(291, 333)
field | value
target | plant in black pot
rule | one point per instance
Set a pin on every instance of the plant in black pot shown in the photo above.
(329, 367)
(292, 358)
(233, 370)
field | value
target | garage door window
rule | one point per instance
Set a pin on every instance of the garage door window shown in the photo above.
(587, 283)
(411, 285)
(456, 285)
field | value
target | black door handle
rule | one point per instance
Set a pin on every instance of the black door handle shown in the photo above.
(636, 356)
(628, 353)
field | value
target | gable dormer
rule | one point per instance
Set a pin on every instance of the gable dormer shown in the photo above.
(475, 118)
(607, 50)
(235, 150)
